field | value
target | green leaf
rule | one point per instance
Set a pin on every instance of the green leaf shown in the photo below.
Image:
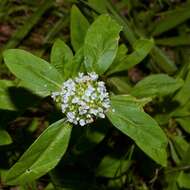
(184, 123)
(5, 138)
(156, 85)
(50, 186)
(5, 100)
(77, 63)
(36, 73)
(183, 180)
(112, 167)
(171, 180)
(174, 41)
(186, 157)
(14, 97)
(183, 96)
(123, 62)
(119, 59)
(128, 118)
(89, 137)
(169, 19)
(142, 48)
(180, 144)
(101, 44)
(42, 156)
(119, 85)
(79, 26)
(163, 61)
(181, 111)
(129, 100)
(99, 6)
(61, 56)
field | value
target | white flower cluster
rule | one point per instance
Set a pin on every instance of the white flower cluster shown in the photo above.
(83, 98)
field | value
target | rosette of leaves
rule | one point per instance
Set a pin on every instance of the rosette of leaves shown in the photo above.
(96, 50)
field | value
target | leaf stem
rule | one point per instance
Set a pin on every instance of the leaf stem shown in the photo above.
(187, 167)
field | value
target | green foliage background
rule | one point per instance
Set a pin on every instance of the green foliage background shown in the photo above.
(150, 65)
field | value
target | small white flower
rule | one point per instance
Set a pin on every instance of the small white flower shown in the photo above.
(93, 111)
(75, 100)
(85, 78)
(86, 98)
(94, 96)
(89, 90)
(64, 107)
(106, 105)
(101, 115)
(83, 98)
(82, 122)
(100, 109)
(82, 110)
(70, 115)
(54, 95)
(93, 76)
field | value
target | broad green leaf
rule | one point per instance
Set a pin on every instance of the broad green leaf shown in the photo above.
(14, 97)
(162, 118)
(5, 138)
(32, 185)
(171, 180)
(118, 183)
(184, 123)
(141, 47)
(112, 167)
(139, 126)
(101, 44)
(119, 59)
(77, 63)
(99, 6)
(42, 156)
(181, 145)
(174, 41)
(38, 74)
(89, 137)
(119, 85)
(50, 186)
(186, 157)
(183, 180)
(156, 85)
(121, 100)
(181, 111)
(61, 56)
(163, 61)
(169, 19)
(5, 100)
(127, 30)
(79, 26)
(183, 95)
(185, 67)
